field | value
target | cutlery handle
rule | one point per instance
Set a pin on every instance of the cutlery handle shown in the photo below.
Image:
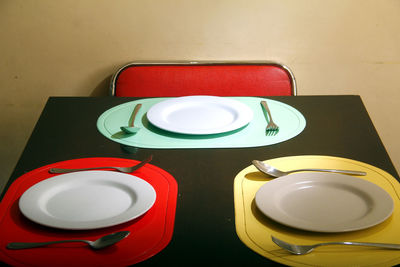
(332, 170)
(135, 111)
(378, 245)
(57, 170)
(24, 245)
(264, 104)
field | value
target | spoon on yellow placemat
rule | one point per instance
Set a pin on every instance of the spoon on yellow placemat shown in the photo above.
(270, 170)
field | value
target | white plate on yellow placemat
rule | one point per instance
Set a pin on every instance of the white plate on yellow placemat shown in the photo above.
(324, 202)
(87, 200)
(255, 229)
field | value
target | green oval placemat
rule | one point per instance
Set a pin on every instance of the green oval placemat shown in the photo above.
(291, 122)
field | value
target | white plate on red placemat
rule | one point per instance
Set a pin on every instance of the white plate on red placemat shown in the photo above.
(87, 200)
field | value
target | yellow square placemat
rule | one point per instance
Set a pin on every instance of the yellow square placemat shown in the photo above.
(255, 229)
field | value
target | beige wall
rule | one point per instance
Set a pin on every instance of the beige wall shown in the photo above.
(70, 47)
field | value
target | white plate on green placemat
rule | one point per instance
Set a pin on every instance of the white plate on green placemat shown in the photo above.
(87, 200)
(324, 202)
(200, 115)
(291, 123)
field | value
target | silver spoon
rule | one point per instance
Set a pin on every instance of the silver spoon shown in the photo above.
(268, 169)
(100, 243)
(121, 169)
(304, 249)
(132, 129)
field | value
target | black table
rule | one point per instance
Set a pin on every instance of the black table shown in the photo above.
(205, 222)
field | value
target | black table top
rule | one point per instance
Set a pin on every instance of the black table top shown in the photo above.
(205, 222)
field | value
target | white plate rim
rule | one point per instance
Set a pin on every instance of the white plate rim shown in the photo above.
(266, 198)
(141, 189)
(243, 112)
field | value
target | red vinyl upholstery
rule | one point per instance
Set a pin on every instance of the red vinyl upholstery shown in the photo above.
(157, 80)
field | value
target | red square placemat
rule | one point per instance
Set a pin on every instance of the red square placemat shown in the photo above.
(150, 233)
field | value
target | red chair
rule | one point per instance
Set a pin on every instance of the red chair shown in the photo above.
(203, 78)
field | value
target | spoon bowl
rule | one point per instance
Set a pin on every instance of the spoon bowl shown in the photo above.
(108, 240)
(102, 242)
(131, 129)
(272, 171)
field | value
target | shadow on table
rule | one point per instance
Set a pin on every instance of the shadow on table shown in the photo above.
(158, 131)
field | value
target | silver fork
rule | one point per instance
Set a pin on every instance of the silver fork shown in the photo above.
(121, 169)
(272, 128)
(304, 249)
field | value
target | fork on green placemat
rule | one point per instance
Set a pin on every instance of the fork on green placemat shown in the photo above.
(272, 127)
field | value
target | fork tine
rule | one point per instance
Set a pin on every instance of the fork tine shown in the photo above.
(272, 130)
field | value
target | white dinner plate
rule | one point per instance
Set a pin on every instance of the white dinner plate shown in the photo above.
(200, 115)
(87, 200)
(324, 202)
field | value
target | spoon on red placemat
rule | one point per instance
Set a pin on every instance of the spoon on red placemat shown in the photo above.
(121, 169)
(100, 243)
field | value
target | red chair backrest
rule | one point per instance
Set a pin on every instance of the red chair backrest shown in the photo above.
(157, 80)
